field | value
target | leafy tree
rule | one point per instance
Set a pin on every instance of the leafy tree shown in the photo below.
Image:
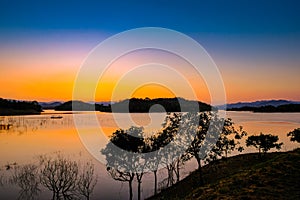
(124, 158)
(198, 148)
(229, 140)
(295, 135)
(263, 142)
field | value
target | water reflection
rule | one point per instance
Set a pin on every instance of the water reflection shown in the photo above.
(27, 179)
(63, 177)
(29, 136)
(23, 124)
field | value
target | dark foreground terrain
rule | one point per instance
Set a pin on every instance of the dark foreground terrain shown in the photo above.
(274, 176)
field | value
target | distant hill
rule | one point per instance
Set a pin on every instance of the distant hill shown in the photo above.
(75, 106)
(82, 106)
(281, 108)
(274, 103)
(138, 105)
(50, 105)
(16, 107)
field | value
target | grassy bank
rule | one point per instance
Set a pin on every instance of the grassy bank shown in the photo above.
(275, 176)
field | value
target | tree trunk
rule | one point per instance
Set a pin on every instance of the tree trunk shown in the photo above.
(130, 190)
(139, 190)
(200, 170)
(139, 179)
(155, 182)
(177, 172)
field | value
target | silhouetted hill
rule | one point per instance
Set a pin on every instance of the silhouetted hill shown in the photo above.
(50, 105)
(75, 106)
(136, 105)
(169, 104)
(82, 106)
(276, 176)
(15, 107)
(281, 108)
(274, 103)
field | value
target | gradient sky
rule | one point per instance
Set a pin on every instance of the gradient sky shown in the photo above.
(255, 44)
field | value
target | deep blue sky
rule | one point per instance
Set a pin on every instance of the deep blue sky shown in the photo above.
(217, 17)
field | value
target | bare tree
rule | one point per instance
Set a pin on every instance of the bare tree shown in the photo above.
(27, 178)
(60, 176)
(86, 180)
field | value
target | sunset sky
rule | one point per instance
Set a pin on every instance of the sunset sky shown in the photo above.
(255, 45)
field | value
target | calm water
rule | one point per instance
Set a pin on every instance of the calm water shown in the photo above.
(34, 135)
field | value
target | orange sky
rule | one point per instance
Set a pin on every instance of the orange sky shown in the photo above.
(47, 72)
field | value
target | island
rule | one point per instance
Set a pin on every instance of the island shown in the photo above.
(138, 105)
(15, 107)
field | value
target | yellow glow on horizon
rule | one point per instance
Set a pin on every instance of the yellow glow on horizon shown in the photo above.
(50, 75)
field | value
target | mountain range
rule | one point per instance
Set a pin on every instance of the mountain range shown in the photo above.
(261, 103)
(275, 103)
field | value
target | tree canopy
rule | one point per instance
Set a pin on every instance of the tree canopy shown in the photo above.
(264, 142)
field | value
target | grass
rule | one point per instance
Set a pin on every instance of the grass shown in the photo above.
(274, 176)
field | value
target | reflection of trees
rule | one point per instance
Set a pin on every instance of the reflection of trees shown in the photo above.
(66, 179)
(60, 175)
(24, 124)
(27, 178)
(86, 180)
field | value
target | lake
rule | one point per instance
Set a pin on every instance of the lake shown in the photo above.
(47, 134)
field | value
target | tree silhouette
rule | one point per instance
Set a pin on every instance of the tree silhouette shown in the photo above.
(198, 148)
(295, 135)
(86, 180)
(27, 178)
(124, 158)
(228, 141)
(60, 176)
(122, 176)
(66, 179)
(263, 142)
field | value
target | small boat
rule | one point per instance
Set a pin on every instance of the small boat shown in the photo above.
(56, 117)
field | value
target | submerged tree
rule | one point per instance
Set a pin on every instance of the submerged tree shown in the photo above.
(294, 135)
(66, 179)
(60, 176)
(86, 180)
(27, 178)
(263, 142)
